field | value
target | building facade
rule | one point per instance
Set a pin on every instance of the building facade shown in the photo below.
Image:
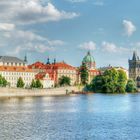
(90, 63)
(45, 79)
(134, 68)
(12, 68)
(56, 70)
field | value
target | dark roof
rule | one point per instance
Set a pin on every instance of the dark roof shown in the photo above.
(135, 56)
(11, 59)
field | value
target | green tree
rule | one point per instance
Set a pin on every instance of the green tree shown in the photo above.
(38, 84)
(131, 86)
(84, 74)
(20, 83)
(112, 81)
(33, 84)
(64, 81)
(3, 81)
(122, 81)
(97, 84)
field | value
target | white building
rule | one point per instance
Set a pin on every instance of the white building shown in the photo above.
(12, 68)
(45, 79)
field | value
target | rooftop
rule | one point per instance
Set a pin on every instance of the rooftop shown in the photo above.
(15, 69)
(11, 59)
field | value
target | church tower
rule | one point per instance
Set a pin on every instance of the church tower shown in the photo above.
(89, 61)
(134, 68)
(25, 59)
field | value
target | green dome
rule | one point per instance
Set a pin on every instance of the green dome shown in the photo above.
(88, 58)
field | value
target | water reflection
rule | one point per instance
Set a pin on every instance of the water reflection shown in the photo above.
(80, 117)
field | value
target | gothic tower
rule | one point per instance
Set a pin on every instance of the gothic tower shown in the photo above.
(134, 68)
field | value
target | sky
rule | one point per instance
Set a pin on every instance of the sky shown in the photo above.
(67, 29)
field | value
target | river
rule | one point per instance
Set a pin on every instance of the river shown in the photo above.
(75, 117)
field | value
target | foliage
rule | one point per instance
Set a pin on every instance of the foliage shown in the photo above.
(122, 81)
(112, 81)
(64, 81)
(33, 84)
(84, 74)
(131, 86)
(20, 83)
(97, 83)
(3, 81)
(38, 84)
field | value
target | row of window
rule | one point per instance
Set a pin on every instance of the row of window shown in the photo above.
(67, 71)
(13, 64)
(16, 78)
(17, 73)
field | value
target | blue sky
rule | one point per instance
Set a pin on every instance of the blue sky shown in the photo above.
(67, 29)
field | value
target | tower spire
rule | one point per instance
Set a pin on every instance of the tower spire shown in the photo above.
(48, 60)
(54, 61)
(25, 58)
(134, 55)
(88, 53)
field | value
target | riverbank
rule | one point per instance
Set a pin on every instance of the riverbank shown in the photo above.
(14, 92)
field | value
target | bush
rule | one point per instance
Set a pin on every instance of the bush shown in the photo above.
(36, 84)
(20, 83)
(131, 86)
(64, 81)
(112, 81)
(3, 82)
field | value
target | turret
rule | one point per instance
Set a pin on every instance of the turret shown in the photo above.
(135, 57)
(48, 60)
(25, 59)
(54, 62)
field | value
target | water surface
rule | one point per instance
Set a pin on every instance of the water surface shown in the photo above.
(76, 117)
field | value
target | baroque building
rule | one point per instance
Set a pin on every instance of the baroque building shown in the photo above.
(12, 68)
(90, 63)
(56, 70)
(134, 68)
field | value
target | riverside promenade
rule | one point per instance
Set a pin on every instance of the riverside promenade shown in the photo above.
(16, 92)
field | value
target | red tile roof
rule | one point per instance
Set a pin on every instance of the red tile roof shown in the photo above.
(15, 69)
(60, 65)
(37, 65)
(40, 75)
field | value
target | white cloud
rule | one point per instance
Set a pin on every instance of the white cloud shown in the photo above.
(21, 40)
(31, 47)
(6, 26)
(112, 48)
(56, 42)
(98, 3)
(129, 27)
(76, 1)
(88, 46)
(33, 11)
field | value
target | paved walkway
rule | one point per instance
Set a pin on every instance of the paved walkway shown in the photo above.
(10, 92)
